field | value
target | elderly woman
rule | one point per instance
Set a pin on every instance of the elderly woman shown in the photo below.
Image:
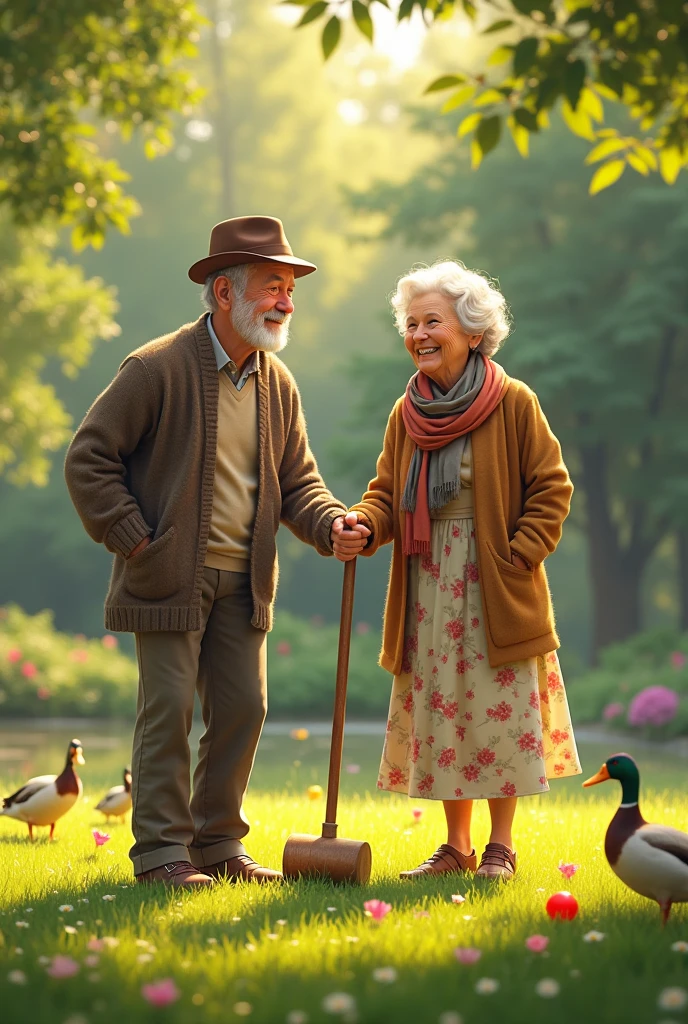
(472, 491)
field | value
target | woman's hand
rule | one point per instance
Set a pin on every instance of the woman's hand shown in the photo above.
(519, 562)
(349, 536)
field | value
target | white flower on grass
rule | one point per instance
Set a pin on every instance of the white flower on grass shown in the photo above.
(297, 1017)
(339, 1002)
(486, 986)
(144, 958)
(43, 961)
(66, 908)
(458, 898)
(680, 947)
(352, 938)
(385, 974)
(109, 899)
(672, 999)
(22, 924)
(16, 978)
(331, 910)
(593, 936)
(548, 988)
(18, 951)
(70, 929)
(110, 941)
(243, 1009)
(450, 1017)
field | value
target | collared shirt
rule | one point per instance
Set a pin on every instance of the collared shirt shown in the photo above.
(237, 377)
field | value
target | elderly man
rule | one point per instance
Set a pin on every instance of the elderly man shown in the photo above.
(184, 468)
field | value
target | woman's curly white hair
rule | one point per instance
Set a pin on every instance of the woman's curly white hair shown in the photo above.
(479, 305)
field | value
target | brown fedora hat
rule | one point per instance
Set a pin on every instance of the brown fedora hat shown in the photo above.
(248, 240)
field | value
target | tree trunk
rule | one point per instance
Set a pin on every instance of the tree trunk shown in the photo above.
(682, 544)
(223, 121)
(615, 572)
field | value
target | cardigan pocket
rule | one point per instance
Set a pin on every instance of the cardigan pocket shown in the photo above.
(521, 609)
(147, 576)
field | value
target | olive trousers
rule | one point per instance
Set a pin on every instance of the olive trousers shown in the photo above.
(225, 660)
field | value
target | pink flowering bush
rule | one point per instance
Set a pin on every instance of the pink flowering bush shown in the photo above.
(613, 710)
(655, 705)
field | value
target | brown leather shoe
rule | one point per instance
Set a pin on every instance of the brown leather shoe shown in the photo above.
(445, 861)
(244, 869)
(179, 875)
(498, 861)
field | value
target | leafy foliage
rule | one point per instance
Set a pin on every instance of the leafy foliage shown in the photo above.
(577, 52)
(62, 65)
(48, 310)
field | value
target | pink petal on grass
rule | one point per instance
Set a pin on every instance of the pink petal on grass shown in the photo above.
(62, 967)
(101, 838)
(95, 945)
(417, 813)
(537, 943)
(568, 870)
(377, 909)
(161, 993)
(467, 954)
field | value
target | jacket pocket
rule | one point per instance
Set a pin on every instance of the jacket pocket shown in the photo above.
(153, 574)
(517, 600)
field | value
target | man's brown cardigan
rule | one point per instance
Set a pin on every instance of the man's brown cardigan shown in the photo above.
(143, 461)
(521, 493)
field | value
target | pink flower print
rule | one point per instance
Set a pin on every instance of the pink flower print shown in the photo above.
(454, 628)
(559, 768)
(459, 649)
(537, 943)
(543, 780)
(420, 612)
(62, 967)
(415, 754)
(467, 954)
(553, 682)
(451, 710)
(447, 549)
(499, 771)
(508, 789)
(567, 755)
(455, 531)
(470, 694)
(471, 772)
(468, 717)
(161, 993)
(463, 666)
(446, 758)
(435, 670)
(396, 777)
(458, 792)
(568, 870)
(475, 622)
(544, 697)
(505, 677)
(436, 701)
(485, 757)
(425, 785)
(527, 741)
(433, 568)
(558, 736)
(431, 652)
(461, 732)
(430, 740)
(480, 657)
(417, 684)
(458, 589)
(501, 712)
(407, 703)
(444, 659)
(472, 572)
(101, 838)
(534, 700)
(410, 647)
(377, 909)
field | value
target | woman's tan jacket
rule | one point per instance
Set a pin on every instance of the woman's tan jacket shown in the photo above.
(522, 493)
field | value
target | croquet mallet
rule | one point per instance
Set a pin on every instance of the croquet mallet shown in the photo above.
(342, 860)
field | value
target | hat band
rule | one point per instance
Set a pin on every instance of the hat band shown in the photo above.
(272, 248)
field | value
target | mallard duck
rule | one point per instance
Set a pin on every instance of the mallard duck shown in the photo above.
(117, 801)
(41, 801)
(650, 859)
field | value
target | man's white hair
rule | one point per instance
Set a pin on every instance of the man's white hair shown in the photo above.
(479, 305)
(238, 275)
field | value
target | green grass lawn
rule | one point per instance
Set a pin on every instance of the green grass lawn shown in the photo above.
(265, 952)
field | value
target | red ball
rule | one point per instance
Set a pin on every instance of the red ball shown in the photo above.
(562, 905)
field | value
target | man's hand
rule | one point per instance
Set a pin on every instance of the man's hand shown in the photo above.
(139, 547)
(348, 536)
(519, 562)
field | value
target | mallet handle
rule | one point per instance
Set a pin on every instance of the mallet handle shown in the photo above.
(330, 827)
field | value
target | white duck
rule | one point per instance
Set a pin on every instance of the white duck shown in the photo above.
(117, 801)
(650, 859)
(44, 799)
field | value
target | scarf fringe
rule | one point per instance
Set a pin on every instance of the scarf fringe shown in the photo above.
(442, 493)
(419, 547)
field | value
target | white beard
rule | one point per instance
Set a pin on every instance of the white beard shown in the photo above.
(253, 329)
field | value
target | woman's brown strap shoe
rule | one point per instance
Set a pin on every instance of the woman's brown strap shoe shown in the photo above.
(498, 861)
(444, 861)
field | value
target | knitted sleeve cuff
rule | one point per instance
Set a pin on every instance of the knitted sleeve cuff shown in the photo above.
(323, 542)
(123, 537)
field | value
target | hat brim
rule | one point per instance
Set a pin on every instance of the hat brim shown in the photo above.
(200, 270)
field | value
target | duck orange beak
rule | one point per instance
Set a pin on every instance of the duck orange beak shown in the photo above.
(602, 776)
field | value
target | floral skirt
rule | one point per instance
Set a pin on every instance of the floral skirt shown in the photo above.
(458, 729)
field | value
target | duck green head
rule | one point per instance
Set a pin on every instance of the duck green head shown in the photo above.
(623, 768)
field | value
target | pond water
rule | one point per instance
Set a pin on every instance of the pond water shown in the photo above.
(37, 747)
